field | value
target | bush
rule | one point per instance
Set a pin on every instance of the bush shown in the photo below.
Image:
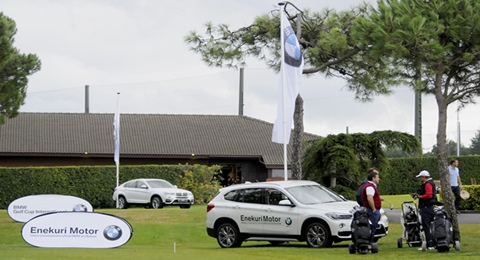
(96, 183)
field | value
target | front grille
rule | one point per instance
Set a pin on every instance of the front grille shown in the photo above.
(181, 194)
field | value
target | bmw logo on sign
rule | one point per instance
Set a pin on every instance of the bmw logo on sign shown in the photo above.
(112, 232)
(288, 221)
(80, 208)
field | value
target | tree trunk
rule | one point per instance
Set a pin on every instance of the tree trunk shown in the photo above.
(442, 159)
(297, 140)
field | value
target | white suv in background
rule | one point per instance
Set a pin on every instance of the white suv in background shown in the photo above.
(281, 211)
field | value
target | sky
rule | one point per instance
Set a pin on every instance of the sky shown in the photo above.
(136, 48)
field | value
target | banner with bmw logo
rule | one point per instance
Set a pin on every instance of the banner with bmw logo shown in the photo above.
(77, 230)
(25, 208)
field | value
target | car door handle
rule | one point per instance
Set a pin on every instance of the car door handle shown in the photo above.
(268, 209)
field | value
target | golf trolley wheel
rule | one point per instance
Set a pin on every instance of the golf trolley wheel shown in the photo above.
(399, 242)
(363, 249)
(424, 245)
(457, 245)
(374, 248)
(351, 248)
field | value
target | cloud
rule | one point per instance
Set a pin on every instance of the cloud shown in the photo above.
(137, 48)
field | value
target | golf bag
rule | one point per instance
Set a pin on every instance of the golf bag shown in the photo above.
(361, 233)
(442, 230)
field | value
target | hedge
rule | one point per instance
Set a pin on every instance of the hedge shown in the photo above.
(96, 183)
(399, 178)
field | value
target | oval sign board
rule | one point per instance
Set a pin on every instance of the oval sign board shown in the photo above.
(77, 230)
(25, 208)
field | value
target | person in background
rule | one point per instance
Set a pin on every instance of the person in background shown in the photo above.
(427, 198)
(371, 199)
(455, 183)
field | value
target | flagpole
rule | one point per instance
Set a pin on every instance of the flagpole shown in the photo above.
(284, 117)
(116, 133)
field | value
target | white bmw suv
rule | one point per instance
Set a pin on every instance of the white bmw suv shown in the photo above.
(282, 211)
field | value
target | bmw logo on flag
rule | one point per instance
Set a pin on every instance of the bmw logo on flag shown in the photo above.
(288, 221)
(293, 54)
(112, 232)
(80, 208)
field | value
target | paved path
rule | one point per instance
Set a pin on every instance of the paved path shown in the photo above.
(463, 218)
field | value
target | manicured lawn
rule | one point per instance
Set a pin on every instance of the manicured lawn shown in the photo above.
(157, 231)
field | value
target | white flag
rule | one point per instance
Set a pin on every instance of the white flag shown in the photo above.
(116, 136)
(291, 71)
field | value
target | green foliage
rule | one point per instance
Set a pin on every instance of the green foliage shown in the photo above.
(472, 203)
(96, 183)
(14, 70)
(451, 149)
(475, 146)
(202, 181)
(347, 157)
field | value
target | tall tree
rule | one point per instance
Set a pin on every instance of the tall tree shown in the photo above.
(14, 70)
(475, 146)
(436, 43)
(327, 45)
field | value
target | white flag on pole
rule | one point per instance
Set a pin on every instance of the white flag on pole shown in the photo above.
(291, 71)
(116, 136)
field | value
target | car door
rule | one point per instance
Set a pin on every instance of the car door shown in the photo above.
(142, 192)
(248, 210)
(279, 219)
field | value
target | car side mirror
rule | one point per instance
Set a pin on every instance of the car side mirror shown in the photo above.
(144, 187)
(286, 203)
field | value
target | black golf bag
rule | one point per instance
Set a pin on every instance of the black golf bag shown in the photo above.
(361, 233)
(442, 230)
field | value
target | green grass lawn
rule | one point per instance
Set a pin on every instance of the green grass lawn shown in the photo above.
(156, 232)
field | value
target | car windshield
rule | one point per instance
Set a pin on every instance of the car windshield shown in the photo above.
(159, 184)
(314, 194)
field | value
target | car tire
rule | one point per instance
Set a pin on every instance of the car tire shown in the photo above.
(122, 202)
(185, 206)
(228, 236)
(318, 235)
(156, 202)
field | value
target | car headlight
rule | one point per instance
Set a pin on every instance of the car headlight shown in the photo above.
(170, 193)
(338, 216)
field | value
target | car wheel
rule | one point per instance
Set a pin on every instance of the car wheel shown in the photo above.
(228, 236)
(122, 202)
(318, 235)
(185, 206)
(156, 202)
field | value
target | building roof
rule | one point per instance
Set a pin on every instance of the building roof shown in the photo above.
(141, 135)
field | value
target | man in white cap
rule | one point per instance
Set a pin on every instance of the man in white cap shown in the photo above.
(427, 198)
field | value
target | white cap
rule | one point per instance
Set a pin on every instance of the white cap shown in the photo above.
(423, 173)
